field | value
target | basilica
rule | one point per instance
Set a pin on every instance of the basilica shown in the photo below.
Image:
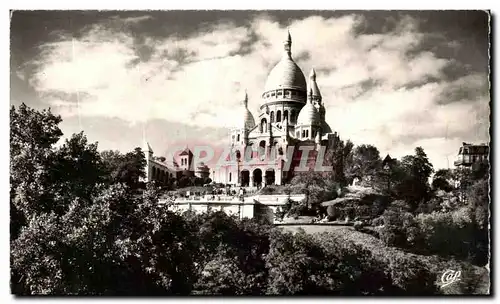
(292, 114)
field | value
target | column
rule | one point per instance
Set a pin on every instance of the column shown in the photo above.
(238, 175)
(278, 175)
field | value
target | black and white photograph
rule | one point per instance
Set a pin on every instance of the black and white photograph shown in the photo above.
(183, 153)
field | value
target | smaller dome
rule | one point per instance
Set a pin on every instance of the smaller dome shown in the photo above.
(248, 119)
(313, 84)
(309, 116)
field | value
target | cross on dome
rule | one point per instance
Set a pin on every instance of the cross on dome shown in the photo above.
(288, 44)
(245, 99)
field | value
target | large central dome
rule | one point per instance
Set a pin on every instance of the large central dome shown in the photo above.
(286, 74)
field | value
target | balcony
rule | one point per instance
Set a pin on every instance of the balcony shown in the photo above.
(469, 160)
(462, 162)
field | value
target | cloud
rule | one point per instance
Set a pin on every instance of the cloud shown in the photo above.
(470, 88)
(133, 20)
(381, 87)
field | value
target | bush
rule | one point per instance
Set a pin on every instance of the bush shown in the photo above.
(221, 276)
(434, 204)
(448, 233)
(322, 264)
(411, 276)
(400, 230)
(231, 254)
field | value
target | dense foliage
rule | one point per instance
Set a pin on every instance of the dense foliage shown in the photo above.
(83, 224)
(460, 233)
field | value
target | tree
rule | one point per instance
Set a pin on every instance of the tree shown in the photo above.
(161, 245)
(338, 155)
(441, 180)
(234, 262)
(111, 160)
(221, 275)
(414, 187)
(479, 207)
(128, 168)
(68, 254)
(323, 186)
(32, 136)
(76, 234)
(75, 170)
(292, 260)
(365, 163)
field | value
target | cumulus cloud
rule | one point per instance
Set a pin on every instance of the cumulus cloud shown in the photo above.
(378, 88)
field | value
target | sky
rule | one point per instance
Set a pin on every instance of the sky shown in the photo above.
(393, 79)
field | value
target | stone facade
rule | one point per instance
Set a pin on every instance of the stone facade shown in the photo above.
(258, 206)
(158, 169)
(292, 114)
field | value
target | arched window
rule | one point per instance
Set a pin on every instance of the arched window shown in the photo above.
(272, 116)
(238, 138)
(229, 176)
(262, 148)
(263, 125)
(303, 133)
(285, 115)
(292, 116)
(278, 116)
